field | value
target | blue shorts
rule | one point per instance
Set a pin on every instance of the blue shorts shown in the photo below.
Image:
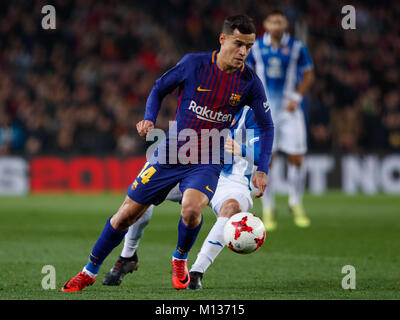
(154, 181)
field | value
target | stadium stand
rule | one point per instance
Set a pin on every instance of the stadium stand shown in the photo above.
(80, 89)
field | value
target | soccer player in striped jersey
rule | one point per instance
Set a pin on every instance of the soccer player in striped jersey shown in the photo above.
(212, 88)
(284, 65)
(233, 195)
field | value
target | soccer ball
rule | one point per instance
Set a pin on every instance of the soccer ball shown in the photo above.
(244, 232)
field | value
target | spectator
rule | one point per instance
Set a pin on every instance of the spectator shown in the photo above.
(82, 87)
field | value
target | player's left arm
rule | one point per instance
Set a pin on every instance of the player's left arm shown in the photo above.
(305, 66)
(250, 151)
(257, 100)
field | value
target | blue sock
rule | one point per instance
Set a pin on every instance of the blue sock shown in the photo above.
(186, 238)
(108, 240)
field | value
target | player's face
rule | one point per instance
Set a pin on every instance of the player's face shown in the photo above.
(276, 25)
(236, 47)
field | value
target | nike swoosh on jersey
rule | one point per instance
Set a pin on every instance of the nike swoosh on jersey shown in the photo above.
(200, 89)
(217, 243)
(208, 188)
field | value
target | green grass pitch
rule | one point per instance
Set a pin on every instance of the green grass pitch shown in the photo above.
(60, 230)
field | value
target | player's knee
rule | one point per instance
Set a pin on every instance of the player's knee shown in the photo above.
(191, 214)
(229, 208)
(121, 222)
(295, 160)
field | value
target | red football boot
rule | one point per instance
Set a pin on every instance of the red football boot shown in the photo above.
(180, 274)
(78, 283)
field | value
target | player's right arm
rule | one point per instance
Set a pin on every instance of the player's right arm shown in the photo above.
(305, 66)
(164, 85)
(251, 149)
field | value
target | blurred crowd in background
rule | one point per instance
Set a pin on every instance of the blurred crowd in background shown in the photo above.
(81, 89)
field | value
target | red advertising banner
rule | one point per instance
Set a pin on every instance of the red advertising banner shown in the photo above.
(368, 173)
(83, 174)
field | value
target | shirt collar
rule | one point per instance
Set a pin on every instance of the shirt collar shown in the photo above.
(284, 40)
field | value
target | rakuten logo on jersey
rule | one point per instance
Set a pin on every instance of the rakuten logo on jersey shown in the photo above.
(204, 113)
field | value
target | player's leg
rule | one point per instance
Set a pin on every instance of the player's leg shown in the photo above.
(150, 186)
(114, 231)
(193, 203)
(268, 203)
(128, 260)
(198, 187)
(111, 236)
(230, 198)
(293, 142)
(136, 230)
(135, 233)
(296, 179)
(213, 244)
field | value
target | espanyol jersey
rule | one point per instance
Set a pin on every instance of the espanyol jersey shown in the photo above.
(279, 69)
(209, 98)
(245, 131)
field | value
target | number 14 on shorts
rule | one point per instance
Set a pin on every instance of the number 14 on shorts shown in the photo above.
(145, 175)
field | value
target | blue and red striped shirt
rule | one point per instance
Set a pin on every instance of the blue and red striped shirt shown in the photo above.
(209, 98)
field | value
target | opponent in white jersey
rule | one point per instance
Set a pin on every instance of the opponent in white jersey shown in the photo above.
(232, 195)
(284, 65)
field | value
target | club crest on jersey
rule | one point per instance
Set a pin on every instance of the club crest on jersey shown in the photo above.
(234, 99)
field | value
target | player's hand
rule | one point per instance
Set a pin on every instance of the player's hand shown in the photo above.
(232, 147)
(143, 127)
(291, 106)
(260, 182)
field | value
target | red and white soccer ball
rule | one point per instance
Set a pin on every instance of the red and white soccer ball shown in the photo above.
(244, 232)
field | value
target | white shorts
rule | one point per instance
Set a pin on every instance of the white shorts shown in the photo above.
(175, 194)
(231, 189)
(226, 189)
(290, 134)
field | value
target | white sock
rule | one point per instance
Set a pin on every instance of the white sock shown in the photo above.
(174, 258)
(90, 274)
(212, 246)
(135, 233)
(268, 198)
(296, 179)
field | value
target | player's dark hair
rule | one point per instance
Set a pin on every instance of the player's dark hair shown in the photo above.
(242, 22)
(274, 12)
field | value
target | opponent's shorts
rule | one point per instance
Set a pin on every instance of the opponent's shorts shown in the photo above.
(231, 189)
(155, 181)
(290, 134)
(175, 194)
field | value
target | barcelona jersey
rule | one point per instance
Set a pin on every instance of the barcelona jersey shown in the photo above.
(208, 99)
